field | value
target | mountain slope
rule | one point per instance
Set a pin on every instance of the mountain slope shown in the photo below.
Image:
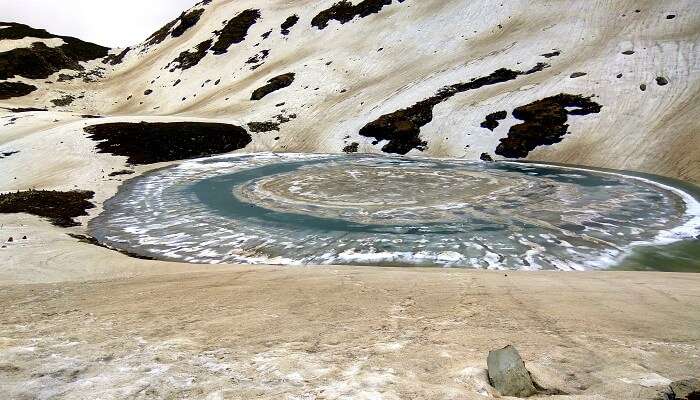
(418, 78)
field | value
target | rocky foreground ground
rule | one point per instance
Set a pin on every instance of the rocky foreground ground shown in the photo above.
(154, 330)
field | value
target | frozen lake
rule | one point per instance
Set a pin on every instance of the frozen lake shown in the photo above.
(374, 210)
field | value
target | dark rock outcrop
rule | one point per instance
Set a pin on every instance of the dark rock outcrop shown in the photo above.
(9, 90)
(552, 54)
(147, 143)
(491, 121)
(344, 11)
(351, 148)
(288, 24)
(187, 20)
(121, 172)
(188, 58)
(175, 28)
(116, 59)
(63, 101)
(274, 84)
(40, 61)
(545, 123)
(235, 30)
(259, 57)
(486, 157)
(24, 109)
(402, 128)
(6, 154)
(91, 240)
(260, 127)
(58, 207)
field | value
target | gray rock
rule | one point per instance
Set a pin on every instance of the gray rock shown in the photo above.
(508, 374)
(687, 389)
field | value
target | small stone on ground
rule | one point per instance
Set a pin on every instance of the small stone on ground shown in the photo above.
(508, 374)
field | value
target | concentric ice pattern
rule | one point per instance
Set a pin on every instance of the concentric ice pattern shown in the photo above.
(333, 209)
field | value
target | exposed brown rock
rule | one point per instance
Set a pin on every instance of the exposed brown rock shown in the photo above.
(188, 58)
(187, 20)
(40, 61)
(146, 143)
(66, 100)
(491, 121)
(486, 157)
(344, 11)
(402, 128)
(259, 127)
(288, 24)
(545, 123)
(274, 84)
(351, 148)
(235, 30)
(175, 28)
(115, 59)
(9, 90)
(59, 207)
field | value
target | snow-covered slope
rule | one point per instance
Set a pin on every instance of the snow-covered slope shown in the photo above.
(416, 77)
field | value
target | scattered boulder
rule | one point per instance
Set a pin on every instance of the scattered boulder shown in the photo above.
(486, 157)
(260, 127)
(507, 373)
(661, 81)
(10, 239)
(351, 148)
(686, 389)
(66, 100)
(577, 75)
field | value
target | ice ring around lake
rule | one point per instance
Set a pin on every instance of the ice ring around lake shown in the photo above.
(373, 210)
